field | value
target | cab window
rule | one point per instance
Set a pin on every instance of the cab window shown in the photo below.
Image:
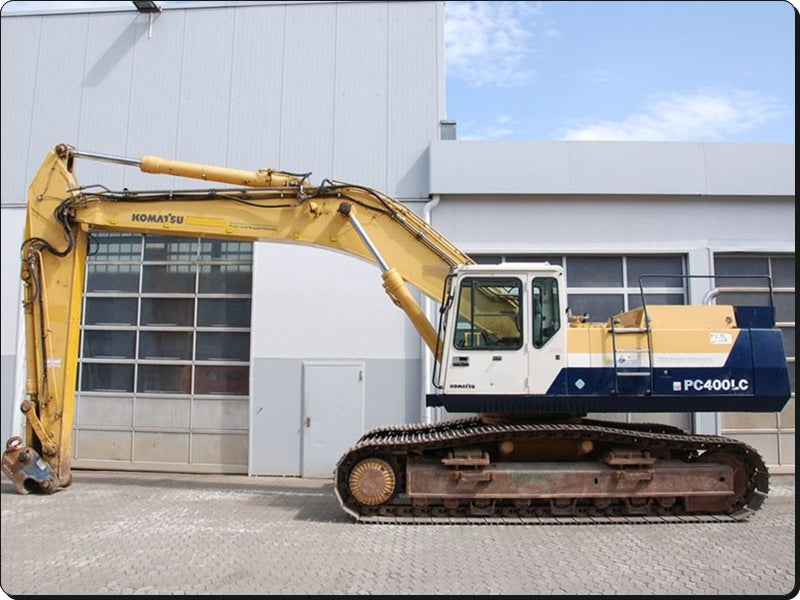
(489, 314)
(546, 310)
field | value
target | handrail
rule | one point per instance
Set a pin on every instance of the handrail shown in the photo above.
(711, 293)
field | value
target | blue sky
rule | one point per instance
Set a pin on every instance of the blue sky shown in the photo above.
(592, 70)
(706, 71)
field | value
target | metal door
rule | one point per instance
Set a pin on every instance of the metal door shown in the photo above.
(333, 413)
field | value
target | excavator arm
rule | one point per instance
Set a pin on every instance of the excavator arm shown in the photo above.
(263, 205)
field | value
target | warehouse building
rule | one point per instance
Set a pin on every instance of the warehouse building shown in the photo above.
(271, 359)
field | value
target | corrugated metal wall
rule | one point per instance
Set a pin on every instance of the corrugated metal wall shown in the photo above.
(346, 90)
(351, 91)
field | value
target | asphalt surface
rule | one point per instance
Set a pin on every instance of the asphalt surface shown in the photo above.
(119, 533)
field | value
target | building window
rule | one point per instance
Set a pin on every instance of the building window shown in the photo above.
(166, 315)
(772, 433)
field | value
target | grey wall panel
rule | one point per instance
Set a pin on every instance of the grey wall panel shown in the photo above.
(568, 224)
(156, 92)
(308, 89)
(55, 115)
(7, 379)
(104, 447)
(98, 411)
(413, 65)
(220, 414)
(161, 447)
(229, 449)
(172, 433)
(361, 95)
(344, 90)
(105, 93)
(202, 85)
(750, 169)
(393, 392)
(641, 167)
(11, 377)
(600, 168)
(255, 123)
(206, 64)
(13, 223)
(509, 167)
(392, 397)
(165, 412)
(19, 44)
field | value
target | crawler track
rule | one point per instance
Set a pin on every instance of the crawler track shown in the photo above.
(394, 448)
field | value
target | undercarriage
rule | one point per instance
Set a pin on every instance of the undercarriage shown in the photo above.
(479, 470)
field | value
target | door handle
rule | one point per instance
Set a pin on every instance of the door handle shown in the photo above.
(308, 421)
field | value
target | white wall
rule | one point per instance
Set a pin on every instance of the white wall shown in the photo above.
(617, 224)
(310, 302)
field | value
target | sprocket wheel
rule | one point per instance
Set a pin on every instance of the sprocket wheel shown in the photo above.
(372, 481)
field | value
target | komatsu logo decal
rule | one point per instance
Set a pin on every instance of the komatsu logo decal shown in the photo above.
(151, 218)
(463, 386)
(711, 385)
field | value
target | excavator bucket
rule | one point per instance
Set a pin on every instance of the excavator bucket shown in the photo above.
(26, 469)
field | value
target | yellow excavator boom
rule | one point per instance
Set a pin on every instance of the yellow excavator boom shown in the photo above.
(263, 205)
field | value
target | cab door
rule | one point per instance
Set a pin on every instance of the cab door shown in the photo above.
(489, 352)
(547, 355)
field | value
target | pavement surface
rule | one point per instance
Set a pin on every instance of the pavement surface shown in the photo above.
(121, 533)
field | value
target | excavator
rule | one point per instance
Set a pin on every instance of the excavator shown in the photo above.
(516, 372)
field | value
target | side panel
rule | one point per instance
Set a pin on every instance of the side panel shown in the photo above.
(693, 370)
(488, 371)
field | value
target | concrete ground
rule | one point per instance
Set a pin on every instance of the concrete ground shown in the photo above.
(120, 533)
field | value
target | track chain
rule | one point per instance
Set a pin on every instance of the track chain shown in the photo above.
(418, 438)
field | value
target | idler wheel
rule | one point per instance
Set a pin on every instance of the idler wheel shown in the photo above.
(372, 481)
(739, 470)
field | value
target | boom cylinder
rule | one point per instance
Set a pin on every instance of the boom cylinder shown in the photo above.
(395, 286)
(398, 291)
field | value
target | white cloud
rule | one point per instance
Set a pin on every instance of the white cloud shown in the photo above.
(487, 42)
(703, 116)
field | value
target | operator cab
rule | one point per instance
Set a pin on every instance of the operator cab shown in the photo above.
(503, 330)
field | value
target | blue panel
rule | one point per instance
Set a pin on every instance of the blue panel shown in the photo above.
(755, 378)
(755, 316)
(769, 363)
(465, 403)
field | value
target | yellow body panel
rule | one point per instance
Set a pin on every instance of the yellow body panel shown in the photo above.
(679, 317)
(688, 336)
